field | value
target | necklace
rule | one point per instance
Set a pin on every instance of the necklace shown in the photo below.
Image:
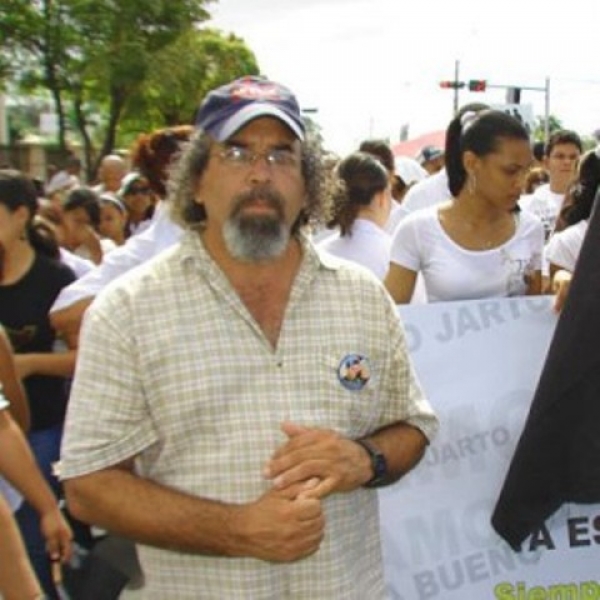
(481, 235)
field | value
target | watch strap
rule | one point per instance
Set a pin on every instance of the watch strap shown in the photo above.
(378, 464)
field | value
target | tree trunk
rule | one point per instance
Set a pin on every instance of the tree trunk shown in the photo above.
(58, 107)
(52, 81)
(118, 96)
(88, 148)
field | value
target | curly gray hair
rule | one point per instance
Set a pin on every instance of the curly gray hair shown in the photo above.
(188, 170)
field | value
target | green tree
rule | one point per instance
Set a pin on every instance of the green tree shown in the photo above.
(34, 42)
(181, 75)
(554, 124)
(90, 51)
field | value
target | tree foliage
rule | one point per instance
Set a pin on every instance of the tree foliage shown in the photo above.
(118, 59)
(181, 75)
(554, 124)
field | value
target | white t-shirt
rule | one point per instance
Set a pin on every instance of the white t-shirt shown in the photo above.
(397, 213)
(369, 246)
(428, 192)
(162, 234)
(106, 246)
(563, 247)
(79, 265)
(545, 205)
(451, 272)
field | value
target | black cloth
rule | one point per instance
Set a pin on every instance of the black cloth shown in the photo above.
(24, 307)
(557, 459)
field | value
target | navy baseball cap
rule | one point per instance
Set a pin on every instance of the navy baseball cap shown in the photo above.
(228, 108)
(428, 153)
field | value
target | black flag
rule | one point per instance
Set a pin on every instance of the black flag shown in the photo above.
(557, 459)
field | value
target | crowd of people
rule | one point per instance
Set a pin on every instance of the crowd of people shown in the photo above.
(243, 382)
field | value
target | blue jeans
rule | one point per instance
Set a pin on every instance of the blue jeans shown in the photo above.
(45, 445)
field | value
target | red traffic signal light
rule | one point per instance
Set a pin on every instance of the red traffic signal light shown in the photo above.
(477, 85)
(452, 85)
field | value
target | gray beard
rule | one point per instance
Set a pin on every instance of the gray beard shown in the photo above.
(256, 238)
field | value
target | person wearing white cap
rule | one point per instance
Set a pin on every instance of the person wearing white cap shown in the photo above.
(232, 408)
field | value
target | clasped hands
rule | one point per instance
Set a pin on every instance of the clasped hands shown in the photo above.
(321, 459)
(287, 522)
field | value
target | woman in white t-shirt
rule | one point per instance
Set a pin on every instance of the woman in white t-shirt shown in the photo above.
(477, 244)
(361, 209)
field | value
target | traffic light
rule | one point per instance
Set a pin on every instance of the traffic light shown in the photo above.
(452, 85)
(513, 95)
(477, 85)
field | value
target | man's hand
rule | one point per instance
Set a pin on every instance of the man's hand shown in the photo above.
(339, 464)
(281, 526)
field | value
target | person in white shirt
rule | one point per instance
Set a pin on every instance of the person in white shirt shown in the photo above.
(111, 171)
(49, 218)
(64, 180)
(407, 173)
(562, 249)
(81, 217)
(476, 245)
(79, 265)
(152, 155)
(361, 209)
(563, 152)
(69, 306)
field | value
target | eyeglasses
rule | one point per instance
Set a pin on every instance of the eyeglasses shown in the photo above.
(139, 190)
(242, 157)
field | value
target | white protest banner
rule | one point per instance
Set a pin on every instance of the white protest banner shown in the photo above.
(479, 362)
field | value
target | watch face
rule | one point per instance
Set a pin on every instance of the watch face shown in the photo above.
(380, 466)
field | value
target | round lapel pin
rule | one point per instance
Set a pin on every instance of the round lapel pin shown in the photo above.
(354, 371)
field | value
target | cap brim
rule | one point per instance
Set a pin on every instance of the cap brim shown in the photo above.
(253, 111)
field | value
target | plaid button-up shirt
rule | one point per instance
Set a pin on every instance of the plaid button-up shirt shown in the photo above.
(173, 368)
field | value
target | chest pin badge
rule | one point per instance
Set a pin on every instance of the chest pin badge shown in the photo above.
(354, 371)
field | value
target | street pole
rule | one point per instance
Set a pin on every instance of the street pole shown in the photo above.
(456, 80)
(547, 111)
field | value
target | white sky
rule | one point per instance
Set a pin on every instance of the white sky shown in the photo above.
(370, 66)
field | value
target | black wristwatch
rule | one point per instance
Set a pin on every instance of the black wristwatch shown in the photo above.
(378, 463)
